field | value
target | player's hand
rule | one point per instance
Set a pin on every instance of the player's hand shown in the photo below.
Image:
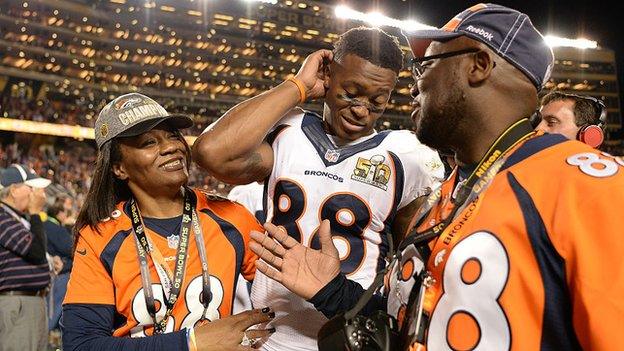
(227, 333)
(302, 270)
(312, 73)
(36, 201)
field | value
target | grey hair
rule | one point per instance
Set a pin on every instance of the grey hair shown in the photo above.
(4, 192)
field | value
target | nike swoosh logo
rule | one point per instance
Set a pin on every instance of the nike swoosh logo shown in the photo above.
(82, 252)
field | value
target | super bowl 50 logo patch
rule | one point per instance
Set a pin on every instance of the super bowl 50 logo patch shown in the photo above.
(372, 171)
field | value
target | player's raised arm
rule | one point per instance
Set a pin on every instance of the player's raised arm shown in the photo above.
(234, 148)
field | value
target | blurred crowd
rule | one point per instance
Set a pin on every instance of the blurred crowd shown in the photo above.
(80, 113)
(70, 166)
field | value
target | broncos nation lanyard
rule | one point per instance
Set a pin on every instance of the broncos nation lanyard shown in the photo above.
(172, 283)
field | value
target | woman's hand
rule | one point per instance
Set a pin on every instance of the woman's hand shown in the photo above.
(228, 333)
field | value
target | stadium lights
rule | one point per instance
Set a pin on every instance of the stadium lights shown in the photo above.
(580, 43)
(272, 2)
(377, 19)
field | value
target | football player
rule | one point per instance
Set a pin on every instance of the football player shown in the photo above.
(334, 166)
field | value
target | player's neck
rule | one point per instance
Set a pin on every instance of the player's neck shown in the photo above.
(477, 138)
(476, 143)
(164, 204)
(340, 142)
(472, 153)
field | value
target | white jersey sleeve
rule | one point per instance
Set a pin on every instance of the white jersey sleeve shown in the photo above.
(422, 166)
(292, 118)
(249, 195)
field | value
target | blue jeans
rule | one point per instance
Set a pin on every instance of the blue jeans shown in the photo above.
(55, 300)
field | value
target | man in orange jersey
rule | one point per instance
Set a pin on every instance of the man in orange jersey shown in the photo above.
(524, 237)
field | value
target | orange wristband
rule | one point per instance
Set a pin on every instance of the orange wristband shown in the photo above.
(302, 90)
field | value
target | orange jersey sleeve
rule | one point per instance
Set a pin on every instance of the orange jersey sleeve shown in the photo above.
(89, 282)
(238, 216)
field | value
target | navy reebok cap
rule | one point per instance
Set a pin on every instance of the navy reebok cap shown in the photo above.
(509, 33)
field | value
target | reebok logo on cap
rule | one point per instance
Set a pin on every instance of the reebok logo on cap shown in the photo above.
(480, 31)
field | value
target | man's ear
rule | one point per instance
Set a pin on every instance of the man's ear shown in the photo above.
(482, 65)
(120, 172)
(12, 189)
(327, 72)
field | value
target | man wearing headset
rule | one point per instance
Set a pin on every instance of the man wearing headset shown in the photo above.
(578, 117)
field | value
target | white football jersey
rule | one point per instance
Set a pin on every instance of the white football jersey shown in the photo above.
(358, 187)
(249, 195)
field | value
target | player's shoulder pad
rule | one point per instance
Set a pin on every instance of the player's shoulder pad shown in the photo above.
(415, 154)
(403, 141)
(292, 118)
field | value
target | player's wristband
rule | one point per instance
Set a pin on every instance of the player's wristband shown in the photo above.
(190, 337)
(301, 87)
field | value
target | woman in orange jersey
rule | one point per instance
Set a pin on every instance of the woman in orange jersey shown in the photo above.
(155, 261)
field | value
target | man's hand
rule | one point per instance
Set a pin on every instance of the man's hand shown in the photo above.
(36, 201)
(227, 333)
(57, 264)
(302, 270)
(312, 73)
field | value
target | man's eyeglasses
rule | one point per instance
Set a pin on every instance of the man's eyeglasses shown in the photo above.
(418, 69)
(355, 102)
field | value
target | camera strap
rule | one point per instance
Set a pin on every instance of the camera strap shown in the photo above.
(468, 189)
(474, 185)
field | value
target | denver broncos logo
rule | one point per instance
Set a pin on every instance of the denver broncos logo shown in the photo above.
(126, 102)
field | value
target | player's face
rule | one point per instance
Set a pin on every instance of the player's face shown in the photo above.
(153, 160)
(357, 95)
(558, 118)
(438, 99)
